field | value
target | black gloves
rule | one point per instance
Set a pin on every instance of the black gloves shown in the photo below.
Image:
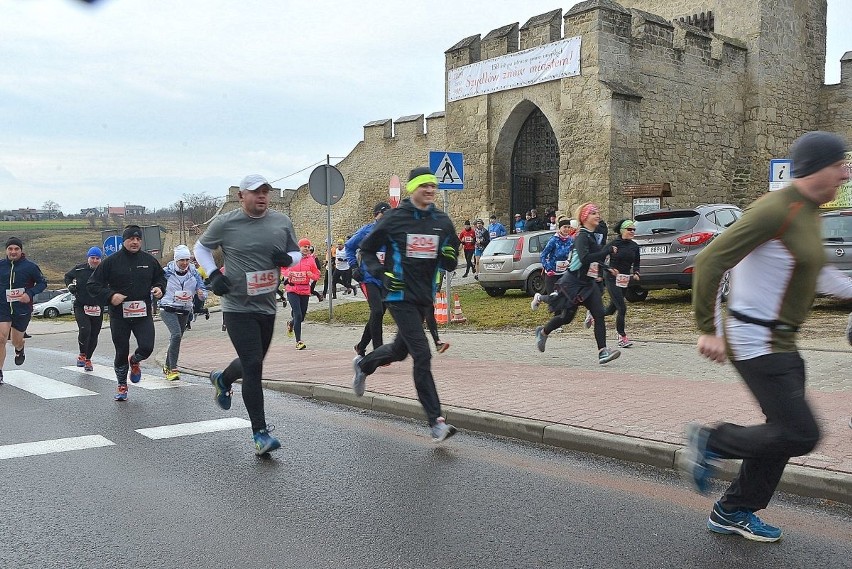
(72, 288)
(449, 252)
(358, 274)
(393, 283)
(219, 283)
(281, 259)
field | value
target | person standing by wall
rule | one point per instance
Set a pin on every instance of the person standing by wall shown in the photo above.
(88, 310)
(183, 285)
(626, 262)
(419, 240)
(495, 228)
(297, 279)
(126, 281)
(468, 241)
(520, 223)
(480, 242)
(255, 242)
(20, 281)
(370, 285)
(775, 256)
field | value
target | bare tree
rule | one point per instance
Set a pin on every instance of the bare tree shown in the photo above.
(51, 207)
(198, 208)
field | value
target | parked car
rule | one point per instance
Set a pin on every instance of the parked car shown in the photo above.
(669, 240)
(46, 295)
(513, 261)
(837, 238)
(63, 304)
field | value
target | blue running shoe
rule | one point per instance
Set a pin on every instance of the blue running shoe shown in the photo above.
(135, 370)
(264, 442)
(742, 522)
(222, 394)
(697, 463)
(121, 392)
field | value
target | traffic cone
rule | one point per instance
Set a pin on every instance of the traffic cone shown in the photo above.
(457, 311)
(441, 308)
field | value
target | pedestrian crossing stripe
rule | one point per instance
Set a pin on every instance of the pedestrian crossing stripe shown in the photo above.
(44, 387)
(51, 446)
(196, 428)
(148, 381)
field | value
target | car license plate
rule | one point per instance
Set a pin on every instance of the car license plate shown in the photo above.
(654, 250)
(493, 266)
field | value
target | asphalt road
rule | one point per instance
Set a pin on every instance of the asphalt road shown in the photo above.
(348, 489)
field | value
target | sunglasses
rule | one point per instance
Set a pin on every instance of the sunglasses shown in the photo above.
(630, 229)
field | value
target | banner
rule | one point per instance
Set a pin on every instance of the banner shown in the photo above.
(535, 65)
(844, 192)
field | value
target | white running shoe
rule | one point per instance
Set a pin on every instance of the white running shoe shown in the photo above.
(535, 301)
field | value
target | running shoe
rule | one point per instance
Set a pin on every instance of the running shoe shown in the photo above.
(135, 370)
(300, 345)
(849, 329)
(121, 392)
(290, 328)
(221, 394)
(624, 342)
(264, 442)
(540, 338)
(359, 351)
(441, 431)
(359, 382)
(589, 321)
(87, 366)
(1, 377)
(742, 522)
(442, 347)
(605, 355)
(698, 464)
(81, 360)
(224, 327)
(535, 301)
(173, 375)
(19, 357)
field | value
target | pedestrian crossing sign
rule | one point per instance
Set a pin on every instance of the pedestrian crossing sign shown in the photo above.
(448, 167)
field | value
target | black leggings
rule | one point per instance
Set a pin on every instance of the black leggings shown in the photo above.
(595, 305)
(89, 328)
(468, 258)
(617, 305)
(373, 328)
(120, 328)
(298, 309)
(251, 335)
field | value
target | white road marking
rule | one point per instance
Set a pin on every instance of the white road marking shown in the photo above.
(148, 381)
(44, 387)
(198, 427)
(55, 445)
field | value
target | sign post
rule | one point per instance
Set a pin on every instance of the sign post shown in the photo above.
(394, 190)
(779, 173)
(448, 168)
(326, 186)
(112, 244)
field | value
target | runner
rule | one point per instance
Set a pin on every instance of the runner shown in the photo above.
(88, 311)
(255, 242)
(626, 262)
(419, 239)
(297, 279)
(126, 281)
(183, 286)
(20, 281)
(370, 285)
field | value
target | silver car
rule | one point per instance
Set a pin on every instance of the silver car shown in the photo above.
(513, 261)
(62, 304)
(669, 240)
(837, 238)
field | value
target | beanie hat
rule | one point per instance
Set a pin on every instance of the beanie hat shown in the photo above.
(304, 242)
(182, 253)
(14, 241)
(418, 177)
(467, 222)
(815, 150)
(381, 207)
(564, 221)
(95, 252)
(131, 231)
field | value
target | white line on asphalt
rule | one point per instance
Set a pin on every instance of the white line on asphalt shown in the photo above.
(55, 445)
(148, 381)
(185, 429)
(44, 387)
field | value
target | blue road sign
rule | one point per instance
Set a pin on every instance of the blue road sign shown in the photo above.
(112, 244)
(448, 167)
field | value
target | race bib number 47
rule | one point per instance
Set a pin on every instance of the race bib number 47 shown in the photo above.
(421, 246)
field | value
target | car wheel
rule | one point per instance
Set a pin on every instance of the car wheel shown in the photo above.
(635, 293)
(494, 292)
(535, 283)
(51, 313)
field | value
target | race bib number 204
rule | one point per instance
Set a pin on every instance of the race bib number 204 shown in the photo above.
(421, 246)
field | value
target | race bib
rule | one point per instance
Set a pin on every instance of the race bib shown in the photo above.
(92, 310)
(134, 309)
(492, 234)
(14, 294)
(421, 246)
(561, 266)
(298, 277)
(622, 280)
(261, 282)
(468, 239)
(380, 255)
(183, 296)
(593, 271)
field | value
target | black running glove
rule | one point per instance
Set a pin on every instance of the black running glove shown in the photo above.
(219, 283)
(281, 259)
(393, 283)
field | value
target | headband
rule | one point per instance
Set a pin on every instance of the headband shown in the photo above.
(418, 181)
(587, 210)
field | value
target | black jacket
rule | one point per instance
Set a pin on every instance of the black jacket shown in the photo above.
(130, 274)
(81, 273)
(413, 239)
(626, 260)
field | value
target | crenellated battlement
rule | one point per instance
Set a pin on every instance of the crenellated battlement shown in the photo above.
(406, 128)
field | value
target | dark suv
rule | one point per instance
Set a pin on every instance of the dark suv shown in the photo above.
(669, 240)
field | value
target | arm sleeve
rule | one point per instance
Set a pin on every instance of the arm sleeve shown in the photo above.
(69, 276)
(546, 255)
(833, 282)
(351, 246)
(204, 256)
(372, 243)
(96, 285)
(39, 282)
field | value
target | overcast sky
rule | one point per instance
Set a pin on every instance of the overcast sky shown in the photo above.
(141, 101)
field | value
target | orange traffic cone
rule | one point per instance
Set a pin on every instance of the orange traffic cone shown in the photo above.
(441, 308)
(457, 311)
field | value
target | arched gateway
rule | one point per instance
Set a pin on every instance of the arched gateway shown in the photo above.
(535, 166)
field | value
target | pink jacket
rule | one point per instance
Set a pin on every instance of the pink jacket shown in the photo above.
(300, 275)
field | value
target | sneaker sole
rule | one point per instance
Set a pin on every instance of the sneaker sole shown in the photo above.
(450, 432)
(731, 530)
(444, 347)
(267, 449)
(359, 382)
(612, 356)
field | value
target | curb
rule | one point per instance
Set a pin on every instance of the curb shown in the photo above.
(799, 480)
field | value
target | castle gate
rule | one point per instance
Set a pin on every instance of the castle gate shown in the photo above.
(535, 166)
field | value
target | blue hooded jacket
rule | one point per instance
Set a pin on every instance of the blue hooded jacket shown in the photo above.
(22, 273)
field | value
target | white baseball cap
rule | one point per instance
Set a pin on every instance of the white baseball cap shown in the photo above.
(253, 182)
